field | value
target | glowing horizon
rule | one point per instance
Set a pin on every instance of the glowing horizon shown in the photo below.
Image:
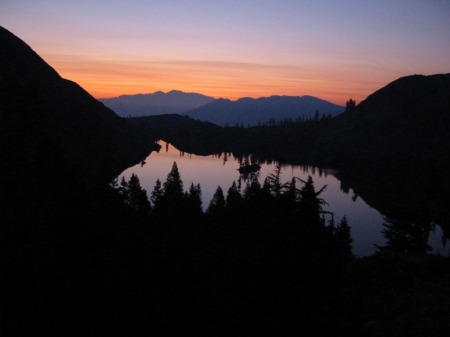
(333, 51)
(108, 78)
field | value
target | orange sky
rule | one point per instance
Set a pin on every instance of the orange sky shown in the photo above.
(105, 78)
(232, 49)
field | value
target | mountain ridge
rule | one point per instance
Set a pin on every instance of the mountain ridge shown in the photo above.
(46, 117)
(253, 111)
(156, 103)
(221, 111)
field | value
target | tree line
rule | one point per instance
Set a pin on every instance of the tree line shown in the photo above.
(263, 257)
(170, 201)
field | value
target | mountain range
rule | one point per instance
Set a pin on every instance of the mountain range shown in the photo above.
(250, 112)
(245, 111)
(157, 103)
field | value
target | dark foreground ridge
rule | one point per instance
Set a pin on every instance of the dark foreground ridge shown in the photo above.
(47, 120)
(81, 258)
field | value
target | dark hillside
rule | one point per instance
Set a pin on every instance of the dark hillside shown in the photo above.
(44, 115)
(408, 117)
(192, 136)
(62, 230)
(398, 137)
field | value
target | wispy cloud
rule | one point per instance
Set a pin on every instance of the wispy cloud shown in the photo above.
(228, 79)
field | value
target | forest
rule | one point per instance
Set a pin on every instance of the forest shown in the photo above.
(259, 259)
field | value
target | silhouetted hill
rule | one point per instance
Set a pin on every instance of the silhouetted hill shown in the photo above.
(61, 225)
(49, 121)
(406, 120)
(249, 111)
(201, 138)
(157, 103)
(397, 140)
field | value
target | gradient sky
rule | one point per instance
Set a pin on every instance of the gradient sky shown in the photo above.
(226, 48)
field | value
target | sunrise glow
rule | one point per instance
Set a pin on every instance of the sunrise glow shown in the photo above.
(235, 49)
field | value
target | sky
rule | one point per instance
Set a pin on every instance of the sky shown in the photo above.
(334, 50)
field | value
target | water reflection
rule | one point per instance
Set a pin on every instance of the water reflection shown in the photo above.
(222, 169)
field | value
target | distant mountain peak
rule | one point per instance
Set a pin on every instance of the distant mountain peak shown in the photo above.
(157, 103)
(253, 111)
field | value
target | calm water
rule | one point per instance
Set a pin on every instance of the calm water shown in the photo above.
(212, 171)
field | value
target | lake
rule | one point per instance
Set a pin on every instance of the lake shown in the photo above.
(213, 171)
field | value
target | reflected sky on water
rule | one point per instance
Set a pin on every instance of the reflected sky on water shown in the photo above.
(213, 171)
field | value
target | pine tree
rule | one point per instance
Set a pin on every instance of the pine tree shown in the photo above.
(290, 191)
(266, 186)
(344, 238)
(252, 189)
(274, 181)
(310, 203)
(137, 196)
(123, 188)
(173, 186)
(133, 194)
(157, 194)
(217, 204)
(406, 237)
(194, 200)
(234, 197)
(350, 105)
